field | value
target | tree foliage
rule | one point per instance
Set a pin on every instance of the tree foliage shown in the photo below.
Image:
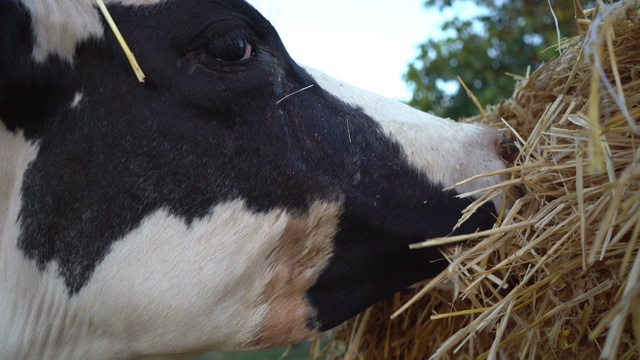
(507, 37)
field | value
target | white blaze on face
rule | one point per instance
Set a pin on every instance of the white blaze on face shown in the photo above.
(60, 25)
(446, 151)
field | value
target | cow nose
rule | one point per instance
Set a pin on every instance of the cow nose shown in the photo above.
(508, 150)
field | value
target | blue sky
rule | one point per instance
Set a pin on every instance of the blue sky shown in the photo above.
(367, 43)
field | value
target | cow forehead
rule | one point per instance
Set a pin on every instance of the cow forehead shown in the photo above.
(57, 33)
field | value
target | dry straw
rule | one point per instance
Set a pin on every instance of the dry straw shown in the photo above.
(125, 48)
(559, 276)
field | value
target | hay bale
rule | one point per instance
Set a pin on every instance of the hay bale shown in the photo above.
(559, 275)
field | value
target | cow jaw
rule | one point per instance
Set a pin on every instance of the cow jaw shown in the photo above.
(151, 275)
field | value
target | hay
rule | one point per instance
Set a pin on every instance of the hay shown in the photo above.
(559, 276)
(123, 44)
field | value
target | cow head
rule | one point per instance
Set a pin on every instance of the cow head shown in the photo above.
(234, 200)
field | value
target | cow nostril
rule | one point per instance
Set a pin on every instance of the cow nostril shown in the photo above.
(508, 150)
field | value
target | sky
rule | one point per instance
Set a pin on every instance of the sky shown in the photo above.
(366, 43)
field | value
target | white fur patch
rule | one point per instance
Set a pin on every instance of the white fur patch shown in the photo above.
(77, 98)
(168, 289)
(446, 151)
(16, 154)
(60, 25)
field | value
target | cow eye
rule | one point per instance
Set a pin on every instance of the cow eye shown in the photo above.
(229, 47)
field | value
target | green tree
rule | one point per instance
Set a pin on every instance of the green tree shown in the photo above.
(507, 37)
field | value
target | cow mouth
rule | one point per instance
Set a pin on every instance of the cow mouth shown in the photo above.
(508, 150)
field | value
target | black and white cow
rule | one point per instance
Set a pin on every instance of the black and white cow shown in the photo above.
(206, 208)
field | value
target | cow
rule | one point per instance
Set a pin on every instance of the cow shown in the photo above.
(234, 200)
